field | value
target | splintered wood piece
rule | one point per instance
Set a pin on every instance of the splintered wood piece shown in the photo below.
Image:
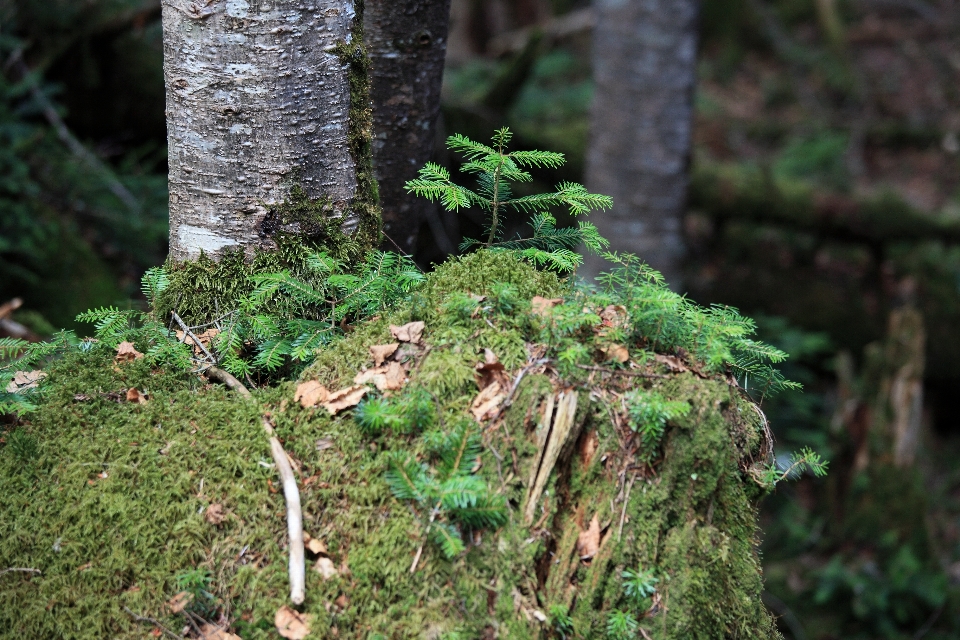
(562, 431)
(542, 433)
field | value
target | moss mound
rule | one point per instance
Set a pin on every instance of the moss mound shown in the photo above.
(113, 500)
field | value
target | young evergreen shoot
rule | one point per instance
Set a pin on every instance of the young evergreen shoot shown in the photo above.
(621, 625)
(639, 585)
(495, 168)
(447, 496)
(21, 356)
(649, 412)
(716, 336)
(806, 460)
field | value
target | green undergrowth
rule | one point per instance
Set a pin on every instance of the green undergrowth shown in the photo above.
(108, 498)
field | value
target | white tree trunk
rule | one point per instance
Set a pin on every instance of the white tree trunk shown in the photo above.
(257, 102)
(644, 67)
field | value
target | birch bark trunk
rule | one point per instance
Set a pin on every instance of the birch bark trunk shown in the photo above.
(644, 66)
(407, 41)
(258, 101)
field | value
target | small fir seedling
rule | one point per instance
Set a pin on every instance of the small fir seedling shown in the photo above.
(560, 620)
(448, 495)
(196, 582)
(639, 585)
(495, 168)
(649, 412)
(806, 460)
(621, 625)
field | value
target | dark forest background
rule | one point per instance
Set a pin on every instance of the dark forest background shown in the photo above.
(824, 201)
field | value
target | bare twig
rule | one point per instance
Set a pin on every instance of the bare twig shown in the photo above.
(187, 332)
(218, 374)
(154, 622)
(291, 494)
(623, 513)
(618, 372)
(19, 570)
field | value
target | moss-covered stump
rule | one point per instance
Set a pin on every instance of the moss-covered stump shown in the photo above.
(119, 503)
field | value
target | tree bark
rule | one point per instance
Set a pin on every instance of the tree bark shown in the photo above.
(258, 101)
(407, 41)
(645, 54)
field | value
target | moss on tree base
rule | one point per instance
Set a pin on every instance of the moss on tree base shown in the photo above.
(113, 505)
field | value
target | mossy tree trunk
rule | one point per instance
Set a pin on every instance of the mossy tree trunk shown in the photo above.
(407, 41)
(644, 68)
(262, 98)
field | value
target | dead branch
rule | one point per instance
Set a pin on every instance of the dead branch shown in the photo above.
(154, 622)
(294, 515)
(218, 374)
(188, 333)
(618, 372)
(291, 494)
(19, 570)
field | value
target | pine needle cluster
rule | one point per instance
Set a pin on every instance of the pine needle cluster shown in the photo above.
(495, 168)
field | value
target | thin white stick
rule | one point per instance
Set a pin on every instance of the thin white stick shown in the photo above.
(297, 569)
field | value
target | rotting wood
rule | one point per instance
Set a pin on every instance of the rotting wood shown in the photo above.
(542, 434)
(560, 433)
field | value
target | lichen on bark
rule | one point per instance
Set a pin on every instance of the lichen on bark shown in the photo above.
(261, 100)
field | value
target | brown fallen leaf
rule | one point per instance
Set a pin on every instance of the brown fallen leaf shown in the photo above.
(588, 542)
(213, 632)
(179, 602)
(326, 568)
(126, 352)
(491, 370)
(542, 306)
(314, 545)
(215, 514)
(345, 398)
(292, 624)
(310, 393)
(134, 395)
(389, 377)
(615, 316)
(381, 352)
(25, 380)
(672, 362)
(410, 332)
(615, 353)
(342, 601)
(324, 443)
(487, 402)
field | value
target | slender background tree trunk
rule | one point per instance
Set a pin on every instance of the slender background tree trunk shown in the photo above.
(257, 102)
(644, 72)
(407, 42)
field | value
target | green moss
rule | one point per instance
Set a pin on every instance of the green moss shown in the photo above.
(690, 518)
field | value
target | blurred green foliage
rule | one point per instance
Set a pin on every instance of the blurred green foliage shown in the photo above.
(67, 243)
